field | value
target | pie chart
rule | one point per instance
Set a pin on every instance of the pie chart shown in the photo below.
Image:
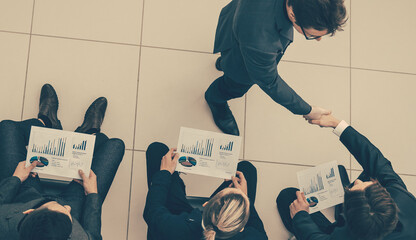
(42, 162)
(187, 161)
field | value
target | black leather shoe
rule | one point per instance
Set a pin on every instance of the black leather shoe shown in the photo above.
(48, 107)
(94, 117)
(218, 64)
(224, 118)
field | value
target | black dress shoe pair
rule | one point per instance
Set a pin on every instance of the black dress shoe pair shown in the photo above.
(48, 111)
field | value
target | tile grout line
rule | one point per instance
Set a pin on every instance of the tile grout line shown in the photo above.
(245, 126)
(203, 52)
(27, 61)
(135, 120)
(350, 77)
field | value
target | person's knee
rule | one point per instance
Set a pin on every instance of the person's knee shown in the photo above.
(286, 193)
(117, 144)
(7, 124)
(246, 167)
(156, 146)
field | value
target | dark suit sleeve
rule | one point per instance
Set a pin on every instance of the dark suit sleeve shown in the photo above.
(375, 165)
(9, 188)
(306, 228)
(255, 222)
(158, 217)
(91, 217)
(262, 69)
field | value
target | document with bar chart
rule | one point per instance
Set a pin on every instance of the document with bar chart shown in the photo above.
(60, 153)
(322, 186)
(208, 153)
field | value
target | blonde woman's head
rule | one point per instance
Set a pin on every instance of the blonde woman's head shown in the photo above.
(225, 214)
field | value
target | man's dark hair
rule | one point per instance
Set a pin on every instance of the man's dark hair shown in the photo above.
(45, 224)
(371, 213)
(319, 14)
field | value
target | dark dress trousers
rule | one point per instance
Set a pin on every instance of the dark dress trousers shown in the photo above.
(375, 166)
(252, 37)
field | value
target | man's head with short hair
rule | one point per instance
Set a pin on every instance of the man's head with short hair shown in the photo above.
(311, 16)
(370, 211)
(51, 221)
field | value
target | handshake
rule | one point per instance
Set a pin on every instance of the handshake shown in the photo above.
(321, 117)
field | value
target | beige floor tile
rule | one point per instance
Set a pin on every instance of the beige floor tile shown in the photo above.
(273, 178)
(182, 24)
(16, 16)
(137, 225)
(410, 182)
(104, 20)
(383, 110)
(383, 37)
(13, 62)
(116, 206)
(333, 50)
(275, 134)
(171, 95)
(81, 71)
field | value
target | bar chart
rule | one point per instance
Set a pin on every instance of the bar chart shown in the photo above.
(331, 174)
(315, 184)
(55, 147)
(80, 146)
(227, 147)
(202, 147)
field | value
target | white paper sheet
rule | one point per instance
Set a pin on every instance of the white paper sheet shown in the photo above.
(62, 153)
(208, 153)
(322, 186)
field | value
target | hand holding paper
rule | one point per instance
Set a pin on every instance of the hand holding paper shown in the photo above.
(23, 172)
(89, 183)
(168, 163)
(300, 204)
(240, 182)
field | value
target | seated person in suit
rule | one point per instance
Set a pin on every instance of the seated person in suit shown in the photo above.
(229, 214)
(376, 206)
(27, 211)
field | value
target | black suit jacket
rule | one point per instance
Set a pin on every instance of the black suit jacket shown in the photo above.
(14, 201)
(257, 34)
(164, 225)
(376, 166)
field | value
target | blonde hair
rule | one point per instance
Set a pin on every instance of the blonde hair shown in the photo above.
(225, 214)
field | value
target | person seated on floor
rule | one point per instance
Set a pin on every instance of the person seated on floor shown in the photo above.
(376, 206)
(27, 212)
(229, 214)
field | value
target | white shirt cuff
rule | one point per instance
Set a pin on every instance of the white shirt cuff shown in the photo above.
(340, 128)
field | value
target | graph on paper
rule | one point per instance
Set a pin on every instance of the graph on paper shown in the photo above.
(331, 174)
(227, 147)
(55, 147)
(202, 147)
(315, 184)
(80, 146)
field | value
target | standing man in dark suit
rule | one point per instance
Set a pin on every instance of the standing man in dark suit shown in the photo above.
(376, 206)
(252, 37)
(27, 212)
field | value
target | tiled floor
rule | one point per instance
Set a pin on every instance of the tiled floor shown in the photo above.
(152, 60)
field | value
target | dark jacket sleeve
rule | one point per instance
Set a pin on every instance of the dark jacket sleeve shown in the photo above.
(306, 228)
(159, 219)
(375, 165)
(91, 217)
(262, 69)
(255, 222)
(9, 188)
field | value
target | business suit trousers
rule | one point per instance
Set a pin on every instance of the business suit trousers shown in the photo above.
(176, 201)
(108, 153)
(288, 195)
